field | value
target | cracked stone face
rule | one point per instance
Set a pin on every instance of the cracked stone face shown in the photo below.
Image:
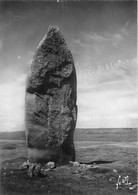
(50, 102)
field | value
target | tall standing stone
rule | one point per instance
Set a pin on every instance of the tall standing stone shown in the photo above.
(50, 102)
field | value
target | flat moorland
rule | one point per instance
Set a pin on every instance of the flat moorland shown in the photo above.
(114, 152)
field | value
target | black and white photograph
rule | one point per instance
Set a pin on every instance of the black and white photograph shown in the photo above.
(68, 97)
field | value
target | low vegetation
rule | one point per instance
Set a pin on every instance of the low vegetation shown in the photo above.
(110, 159)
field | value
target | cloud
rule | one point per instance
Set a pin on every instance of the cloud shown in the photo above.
(115, 38)
(108, 98)
(107, 41)
(120, 71)
(107, 108)
(94, 37)
(1, 44)
(98, 48)
(81, 44)
(12, 95)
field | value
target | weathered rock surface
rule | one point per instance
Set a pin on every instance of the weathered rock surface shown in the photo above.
(50, 102)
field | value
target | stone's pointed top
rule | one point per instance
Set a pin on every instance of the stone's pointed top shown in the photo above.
(52, 38)
(52, 28)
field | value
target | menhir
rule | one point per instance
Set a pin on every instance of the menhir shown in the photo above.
(50, 102)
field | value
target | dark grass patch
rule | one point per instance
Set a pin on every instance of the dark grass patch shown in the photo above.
(100, 170)
(9, 146)
(97, 162)
(19, 182)
(18, 160)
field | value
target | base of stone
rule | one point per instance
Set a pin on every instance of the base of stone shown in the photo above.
(47, 155)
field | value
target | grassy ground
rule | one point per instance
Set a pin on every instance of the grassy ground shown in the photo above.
(68, 180)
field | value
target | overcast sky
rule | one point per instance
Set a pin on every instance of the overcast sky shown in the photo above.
(102, 37)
